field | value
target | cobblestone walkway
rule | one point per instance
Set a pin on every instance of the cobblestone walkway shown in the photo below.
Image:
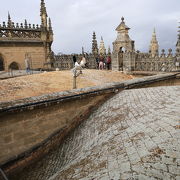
(134, 135)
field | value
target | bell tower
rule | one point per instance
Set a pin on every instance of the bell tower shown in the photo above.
(122, 44)
(102, 49)
(154, 47)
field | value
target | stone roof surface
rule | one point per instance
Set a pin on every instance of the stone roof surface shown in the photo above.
(133, 135)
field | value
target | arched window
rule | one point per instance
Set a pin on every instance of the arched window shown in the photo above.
(14, 66)
(122, 49)
(1, 63)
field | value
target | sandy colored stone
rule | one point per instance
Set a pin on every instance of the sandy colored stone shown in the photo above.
(49, 82)
(17, 54)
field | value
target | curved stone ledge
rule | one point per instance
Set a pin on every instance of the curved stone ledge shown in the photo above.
(48, 99)
(8, 109)
(18, 161)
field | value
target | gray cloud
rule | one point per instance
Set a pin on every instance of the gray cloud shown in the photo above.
(75, 20)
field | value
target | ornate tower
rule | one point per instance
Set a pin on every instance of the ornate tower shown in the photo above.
(50, 30)
(123, 40)
(154, 47)
(109, 51)
(178, 41)
(120, 45)
(102, 49)
(25, 39)
(46, 31)
(94, 45)
(9, 23)
(43, 14)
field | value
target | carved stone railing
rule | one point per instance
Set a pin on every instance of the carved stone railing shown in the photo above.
(163, 62)
(65, 62)
(165, 66)
(20, 31)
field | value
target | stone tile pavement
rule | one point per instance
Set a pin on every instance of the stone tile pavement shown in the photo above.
(134, 135)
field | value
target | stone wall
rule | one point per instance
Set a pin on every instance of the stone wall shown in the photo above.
(134, 61)
(20, 39)
(127, 62)
(21, 131)
(65, 62)
(16, 53)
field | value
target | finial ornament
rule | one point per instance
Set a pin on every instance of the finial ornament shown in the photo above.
(178, 41)
(43, 14)
(50, 26)
(102, 49)
(9, 17)
(9, 23)
(50, 23)
(122, 19)
(154, 30)
(82, 50)
(154, 46)
(25, 23)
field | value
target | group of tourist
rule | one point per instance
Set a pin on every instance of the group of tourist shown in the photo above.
(82, 64)
(101, 62)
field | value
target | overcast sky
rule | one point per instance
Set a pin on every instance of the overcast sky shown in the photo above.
(74, 21)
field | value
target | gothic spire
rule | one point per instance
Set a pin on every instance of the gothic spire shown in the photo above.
(154, 39)
(109, 50)
(50, 25)
(82, 50)
(25, 24)
(102, 49)
(178, 41)
(94, 44)
(43, 14)
(50, 30)
(9, 17)
(154, 47)
(9, 20)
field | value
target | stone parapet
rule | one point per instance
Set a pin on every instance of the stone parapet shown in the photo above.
(29, 135)
(146, 62)
(30, 127)
(65, 62)
(49, 99)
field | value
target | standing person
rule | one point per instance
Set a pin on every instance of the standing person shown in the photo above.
(101, 62)
(108, 62)
(27, 64)
(74, 59)
(83, 62)
(97, 62)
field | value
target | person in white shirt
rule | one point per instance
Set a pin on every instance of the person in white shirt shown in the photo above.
(83, 62)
